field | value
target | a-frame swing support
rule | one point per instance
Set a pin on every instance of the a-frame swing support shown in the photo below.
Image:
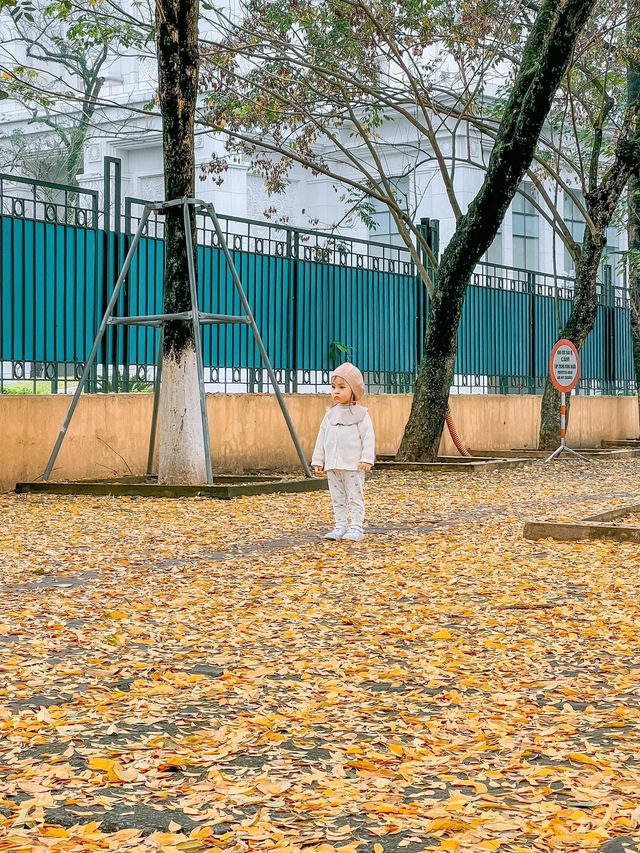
(195, 316)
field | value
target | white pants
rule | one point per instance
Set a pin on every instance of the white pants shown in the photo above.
(347, 494)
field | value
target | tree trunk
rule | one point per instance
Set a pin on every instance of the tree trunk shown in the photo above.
(181, 440)
(544, 62)
(601, 203)
(580, 323)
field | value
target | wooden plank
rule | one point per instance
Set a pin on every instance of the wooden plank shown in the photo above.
(464, 464)
(611, 514)
(571, 532)
(154, 490)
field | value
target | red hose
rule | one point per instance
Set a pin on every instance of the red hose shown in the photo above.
(462, 450)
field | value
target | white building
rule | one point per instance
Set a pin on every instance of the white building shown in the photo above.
(525, 240)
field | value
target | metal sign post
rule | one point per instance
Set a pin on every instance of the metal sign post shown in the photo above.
(564, 370)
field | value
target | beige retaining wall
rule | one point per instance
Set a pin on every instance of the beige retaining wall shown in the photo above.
(109, 433)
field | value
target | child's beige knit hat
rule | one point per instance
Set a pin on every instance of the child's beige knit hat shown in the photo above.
(352, 376)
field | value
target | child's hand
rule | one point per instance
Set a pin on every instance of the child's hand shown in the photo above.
(317, 469)
(365, 466)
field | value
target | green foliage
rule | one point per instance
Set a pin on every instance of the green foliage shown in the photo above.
(130, 385)
(72, 42)
(314, 83)
(24, 388)
(103, 386)
(338, 351)
(19, 9)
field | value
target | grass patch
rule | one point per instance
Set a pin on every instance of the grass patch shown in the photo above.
(38, 387)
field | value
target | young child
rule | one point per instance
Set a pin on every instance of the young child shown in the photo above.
(345, 449)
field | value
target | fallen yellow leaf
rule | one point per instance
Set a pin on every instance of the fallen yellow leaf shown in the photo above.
(96, 763)
(442, 634)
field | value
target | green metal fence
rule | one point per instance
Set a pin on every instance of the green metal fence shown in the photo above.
(317, 300)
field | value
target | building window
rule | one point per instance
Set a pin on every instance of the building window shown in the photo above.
(574, 220)
(610, 258)
(494, 252)
(384, 228)
(526, 230)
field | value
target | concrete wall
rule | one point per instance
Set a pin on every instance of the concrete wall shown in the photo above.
(109, 433)
(494, 422)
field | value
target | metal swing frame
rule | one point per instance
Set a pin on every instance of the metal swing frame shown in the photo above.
(198, 318)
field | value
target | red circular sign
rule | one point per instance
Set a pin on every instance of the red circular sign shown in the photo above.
(564, 366)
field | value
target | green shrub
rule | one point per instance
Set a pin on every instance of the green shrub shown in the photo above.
(41, 387)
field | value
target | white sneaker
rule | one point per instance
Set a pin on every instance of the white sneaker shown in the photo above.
(354, 534)
(336, 533)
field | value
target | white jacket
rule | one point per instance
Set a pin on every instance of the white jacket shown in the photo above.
(346, 438)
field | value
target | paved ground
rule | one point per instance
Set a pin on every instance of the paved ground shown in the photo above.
(200, 675)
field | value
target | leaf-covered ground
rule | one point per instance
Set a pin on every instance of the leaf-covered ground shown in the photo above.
(186, 675)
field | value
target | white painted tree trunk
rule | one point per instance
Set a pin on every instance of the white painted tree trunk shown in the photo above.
(181, 459)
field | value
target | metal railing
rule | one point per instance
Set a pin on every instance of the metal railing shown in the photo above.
(317, 299)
